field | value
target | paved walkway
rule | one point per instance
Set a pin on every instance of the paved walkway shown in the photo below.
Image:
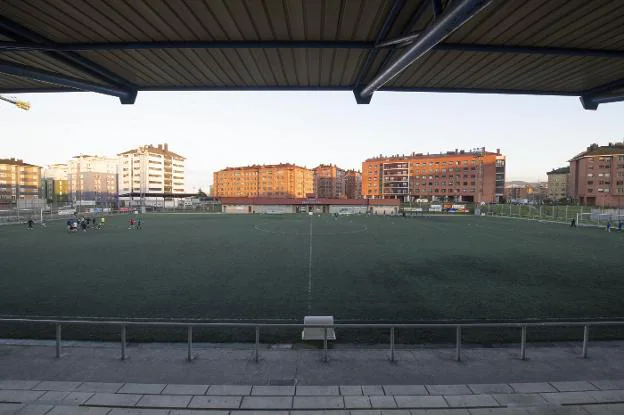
(68, 398)
(89, 378)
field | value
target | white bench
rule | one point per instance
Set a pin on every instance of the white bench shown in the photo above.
(317, 333)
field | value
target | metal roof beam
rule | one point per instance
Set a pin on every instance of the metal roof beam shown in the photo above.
(459, 13)
(28, 72)
(256, 44)
(391, 18)
(18, 32)
(603, 94)
(6, 46)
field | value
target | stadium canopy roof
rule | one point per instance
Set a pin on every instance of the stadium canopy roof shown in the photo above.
(119, 47)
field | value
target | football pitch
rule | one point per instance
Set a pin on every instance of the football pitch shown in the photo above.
(283, 267)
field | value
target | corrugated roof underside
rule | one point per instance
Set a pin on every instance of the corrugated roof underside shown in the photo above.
(234, 67)
(176, 20)
(595, 24)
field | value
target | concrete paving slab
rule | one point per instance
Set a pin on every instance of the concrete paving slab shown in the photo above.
(396, 412)
(499, 411)
(210, 412)
(77, 410)
(449, 411)
(606, 396)
(490, 388)
(568, 398)
(405, 390)
(106, 387)
(317, 391)
(52, 396)
(34, 409)
(184, 389)
(164, 401)
(364, 412)
(418, 402)
(8, 408)
(273, 390)
(561, 410)
(608, 384)
(57, 386)
(113, 399)
(246, 412)
(382, 402)
(142, 388)
(471, 401)
(18, 384)
(229, 390)
(215, 402)
(533, 387)
(267, 402)
(520, 399)
(321, 412)
(318, 402)
(357, 402)
(609, 409)
(18, 396)
(346, 390)
(578, 386)
(372, 390)
(448, 390)
(128, 411)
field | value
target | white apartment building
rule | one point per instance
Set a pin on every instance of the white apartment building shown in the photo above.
(92, 180)
(56, 171)
(150, 175)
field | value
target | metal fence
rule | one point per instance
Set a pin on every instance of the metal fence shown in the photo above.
(257, 327)
(584, 215)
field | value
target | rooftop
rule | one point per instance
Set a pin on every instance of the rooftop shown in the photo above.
(560, 170)
(597, 150)
(15, 162)
(160, 149)
(264, 166)
(456, 152)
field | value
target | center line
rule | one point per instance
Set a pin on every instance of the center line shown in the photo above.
(310, 273)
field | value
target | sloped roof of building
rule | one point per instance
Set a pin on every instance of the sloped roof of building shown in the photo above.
(119, 47)
(16, 162)
(596, 150)
(154, 150)
(560, 170)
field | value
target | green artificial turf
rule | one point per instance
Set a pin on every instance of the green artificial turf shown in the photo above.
(363, 268)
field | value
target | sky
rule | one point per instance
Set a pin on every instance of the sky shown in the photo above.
(214, 130)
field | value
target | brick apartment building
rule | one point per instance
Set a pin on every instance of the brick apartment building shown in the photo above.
(477, 176)
(558, 183)
(273, 181)
(353, 184)
(329, 182)
(93, 180)
(19, 181)
(597, 176)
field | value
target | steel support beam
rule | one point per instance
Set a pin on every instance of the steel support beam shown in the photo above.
(259, 44)
(24, 71)
(453, 18)
(19, 46)
(19, 33)
(591, 98)
(391, 18)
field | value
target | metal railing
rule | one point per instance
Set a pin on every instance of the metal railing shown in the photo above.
(459, 328)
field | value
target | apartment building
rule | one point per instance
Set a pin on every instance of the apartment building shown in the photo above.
(93, 180)
(353, 184)
(273, 181)
(597, 176)
(19, 181)
(558, 183)
(329, 182)
(150, 173)
(473, 176)
(55, 183)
